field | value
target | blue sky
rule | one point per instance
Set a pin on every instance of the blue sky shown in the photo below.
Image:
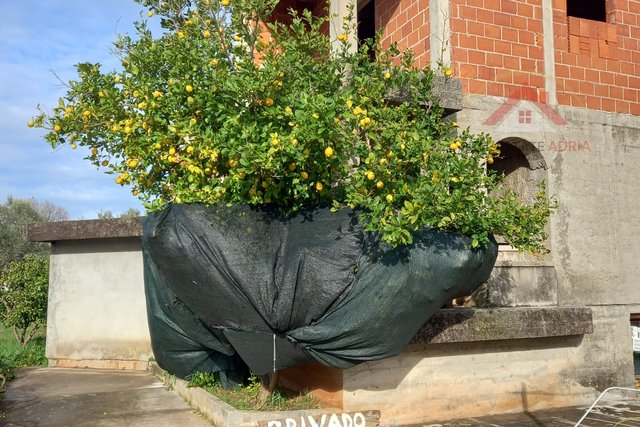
(37, 38)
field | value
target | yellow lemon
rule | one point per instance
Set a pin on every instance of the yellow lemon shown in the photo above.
(172, 151)
(268, 102)
(94, 151)
(304, 175)
(387, 76)
(319, 186)
(342, 37)
(117, 79)
(328, 152)
(224, 2)
(189, 88)
(31, 124)
(389, 198)
(206, 34)
(370, 175)
(86, 113)
(490, 160)
(57, 128)
(292, 167)
(190, 149)
(379, 185)
(132, 163)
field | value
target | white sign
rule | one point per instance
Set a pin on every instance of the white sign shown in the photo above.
(344, 419)
(635, 334)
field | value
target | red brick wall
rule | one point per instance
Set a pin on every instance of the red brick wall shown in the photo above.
(405, 22)
(497, 47)
(597, 63)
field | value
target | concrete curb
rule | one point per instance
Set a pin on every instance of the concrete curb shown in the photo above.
(222, 414)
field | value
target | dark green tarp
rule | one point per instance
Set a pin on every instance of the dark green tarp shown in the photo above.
(229, 286)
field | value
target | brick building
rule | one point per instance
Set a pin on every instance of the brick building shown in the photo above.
(557, 83)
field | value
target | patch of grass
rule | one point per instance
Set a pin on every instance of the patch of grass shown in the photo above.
(246, 397)
(13, 356)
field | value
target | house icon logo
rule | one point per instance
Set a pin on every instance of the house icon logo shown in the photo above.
(523, 115)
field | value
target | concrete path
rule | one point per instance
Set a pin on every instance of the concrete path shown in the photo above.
(90, 397)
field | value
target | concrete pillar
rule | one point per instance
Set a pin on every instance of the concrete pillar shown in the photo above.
(549, 52)
(340, 11)
(439, 14)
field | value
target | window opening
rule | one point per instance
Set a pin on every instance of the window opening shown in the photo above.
(595, 10)
(367, 25)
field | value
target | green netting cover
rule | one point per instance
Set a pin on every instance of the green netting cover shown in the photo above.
(231, 287)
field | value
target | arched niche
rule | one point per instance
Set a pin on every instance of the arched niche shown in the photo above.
(523, 166)
(518, 279)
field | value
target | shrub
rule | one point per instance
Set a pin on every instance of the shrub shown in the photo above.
(23, 296)
(221, 108)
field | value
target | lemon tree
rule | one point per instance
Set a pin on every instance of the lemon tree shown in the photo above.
(228, 106)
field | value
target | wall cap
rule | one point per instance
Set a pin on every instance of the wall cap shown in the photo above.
(85, 229)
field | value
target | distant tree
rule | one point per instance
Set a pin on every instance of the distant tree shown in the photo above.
(130, 213)
(23, 296)
(15, 217)
(50, 212)
(105, 214)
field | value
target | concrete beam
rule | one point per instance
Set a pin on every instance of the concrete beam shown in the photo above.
(471, 324)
